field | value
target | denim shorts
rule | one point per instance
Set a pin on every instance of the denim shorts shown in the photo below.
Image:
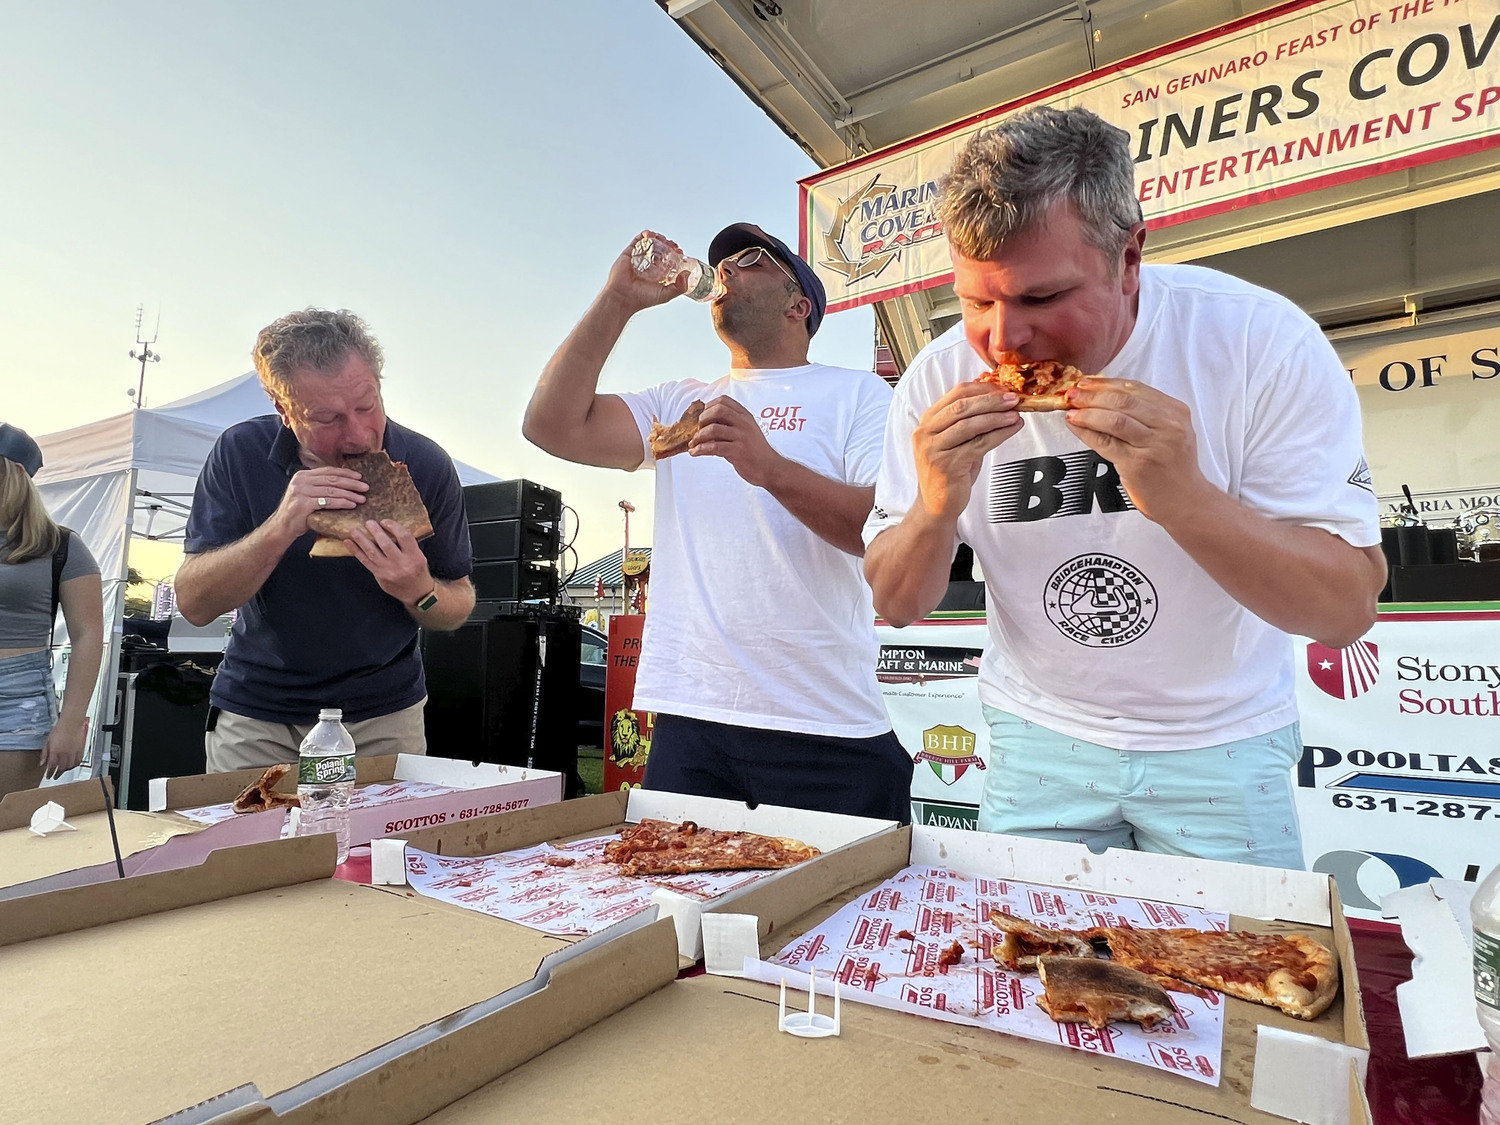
(1233, 802)
(28, 701)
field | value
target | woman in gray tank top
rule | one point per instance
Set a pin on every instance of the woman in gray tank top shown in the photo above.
(35, 740)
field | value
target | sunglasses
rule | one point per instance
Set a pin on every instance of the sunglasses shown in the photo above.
(747, 259)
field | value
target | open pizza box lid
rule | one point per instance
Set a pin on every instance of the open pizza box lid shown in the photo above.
(726, 1061)
(165, 840)
(1438, 1014)
(192, 988)
(830, 833)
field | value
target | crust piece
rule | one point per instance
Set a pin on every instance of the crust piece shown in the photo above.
(1087, 990)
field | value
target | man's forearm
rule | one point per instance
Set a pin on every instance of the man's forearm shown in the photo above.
(455, 603)
(834, 512)
(1302, 580)
(212, 583)
(558, 414)
(907, 566)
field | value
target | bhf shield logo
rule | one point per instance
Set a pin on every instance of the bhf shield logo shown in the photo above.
(1344, 673)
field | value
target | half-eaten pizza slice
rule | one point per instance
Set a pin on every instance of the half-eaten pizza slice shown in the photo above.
(667, 441)
(1287, 971)
(659, 847)
(260, 796)
(1041, 384)
(1023, 942)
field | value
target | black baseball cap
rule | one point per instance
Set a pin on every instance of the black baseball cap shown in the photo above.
(16, 445)
(742, 236)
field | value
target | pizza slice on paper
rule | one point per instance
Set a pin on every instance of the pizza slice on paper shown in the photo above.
(659, 847)
(260, 795)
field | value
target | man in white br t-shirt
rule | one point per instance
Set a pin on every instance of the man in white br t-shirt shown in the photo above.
(759, 649)
(1147, 551)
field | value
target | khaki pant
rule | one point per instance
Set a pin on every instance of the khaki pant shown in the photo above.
(239, 743)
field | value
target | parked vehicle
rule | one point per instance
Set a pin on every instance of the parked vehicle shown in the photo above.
(593, 658)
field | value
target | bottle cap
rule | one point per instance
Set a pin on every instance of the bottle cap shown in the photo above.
(331, 715)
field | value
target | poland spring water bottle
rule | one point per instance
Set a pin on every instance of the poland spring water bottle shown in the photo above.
(325, 779)
(658, 260)
(1485, 914)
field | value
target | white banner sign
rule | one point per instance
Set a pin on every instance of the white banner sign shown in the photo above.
(1400, 773)
(1312, 96)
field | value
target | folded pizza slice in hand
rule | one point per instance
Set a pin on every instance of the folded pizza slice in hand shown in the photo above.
(667, 441)
(1023, 942)
(1041, 385)
(1095, 992)
(392, 496)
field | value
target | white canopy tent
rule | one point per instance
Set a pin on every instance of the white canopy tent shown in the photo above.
(133, 474)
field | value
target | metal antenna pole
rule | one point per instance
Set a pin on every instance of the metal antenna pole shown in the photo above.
(145, 355)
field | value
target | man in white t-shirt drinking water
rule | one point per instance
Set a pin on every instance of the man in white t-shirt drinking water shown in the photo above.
(1147, 551)
(759, 649)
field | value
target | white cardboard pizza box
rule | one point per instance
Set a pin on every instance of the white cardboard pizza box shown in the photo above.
(137, 999)
(594, 816)
(163, 840)
(729, 1064)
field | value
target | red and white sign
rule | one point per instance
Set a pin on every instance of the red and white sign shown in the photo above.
(1307, 96)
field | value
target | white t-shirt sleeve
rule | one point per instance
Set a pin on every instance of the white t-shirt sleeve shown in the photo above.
(1304, 452)
(896, 484)
(649, 405)
(863, 454)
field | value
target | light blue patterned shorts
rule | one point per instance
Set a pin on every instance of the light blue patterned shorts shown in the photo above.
(28, 702)
(1232, 802)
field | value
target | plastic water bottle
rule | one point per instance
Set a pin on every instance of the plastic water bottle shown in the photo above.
(325, 778)
(658, 260)
(1484, 912)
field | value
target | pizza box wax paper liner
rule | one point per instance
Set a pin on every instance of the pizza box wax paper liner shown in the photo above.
(883, 948)
(562, 889)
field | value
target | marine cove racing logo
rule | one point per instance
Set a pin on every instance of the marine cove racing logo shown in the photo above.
(1100, 601)
(883, 219)
(1344, 673)
(949, 752)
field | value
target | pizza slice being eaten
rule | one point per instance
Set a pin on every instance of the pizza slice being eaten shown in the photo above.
(668, 441)
(260, 796)
(1291, 972)
(1025, 941)
(659, 847)
(392, 496)
(1041, 384)
(1095, 992)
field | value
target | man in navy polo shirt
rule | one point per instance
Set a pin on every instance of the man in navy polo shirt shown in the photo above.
(326, 632)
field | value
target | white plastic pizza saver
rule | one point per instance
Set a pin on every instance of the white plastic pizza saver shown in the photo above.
(49, 818)
(810, 1024)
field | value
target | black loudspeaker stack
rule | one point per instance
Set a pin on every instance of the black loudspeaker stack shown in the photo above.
(505, 689)
(515, 527)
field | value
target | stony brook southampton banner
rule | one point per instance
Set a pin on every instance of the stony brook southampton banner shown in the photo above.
(1400, 773)
(1306, 96)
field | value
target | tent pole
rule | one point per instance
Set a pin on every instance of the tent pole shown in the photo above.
(99, 736)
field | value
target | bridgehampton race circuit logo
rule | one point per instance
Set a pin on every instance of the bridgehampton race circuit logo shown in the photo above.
(1344, 673)
(1100, 601)
(949, 752)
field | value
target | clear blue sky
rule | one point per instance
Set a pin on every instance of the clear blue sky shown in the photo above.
(460, 174)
